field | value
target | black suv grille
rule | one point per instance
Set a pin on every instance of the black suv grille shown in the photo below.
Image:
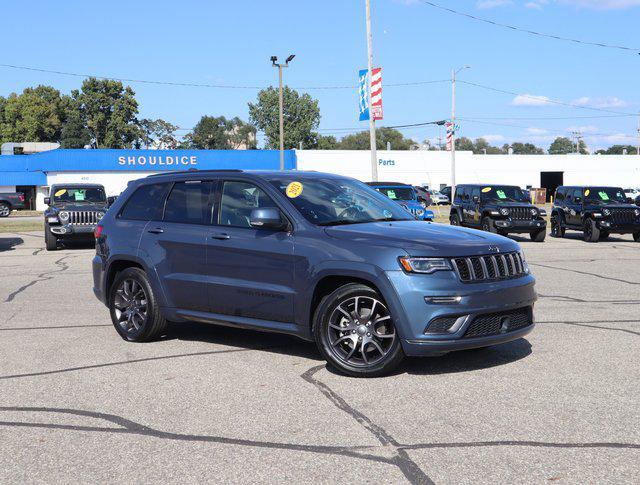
(521, 213)
(494, 267)
(499, 322)
(84, 218)
(623, 216)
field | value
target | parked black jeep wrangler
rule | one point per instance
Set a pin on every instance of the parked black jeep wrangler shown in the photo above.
(502, 209)
(596, 211)
(73, 213)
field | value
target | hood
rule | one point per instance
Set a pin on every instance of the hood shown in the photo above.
(418, 238)
(93, 206)
(507, 203)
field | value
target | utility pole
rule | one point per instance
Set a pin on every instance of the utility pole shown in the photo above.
(638, 133)
(578, 136)
(274, 62)
(454, 73)
(372, 123)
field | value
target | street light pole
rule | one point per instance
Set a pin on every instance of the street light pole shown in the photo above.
(274, 62)
(372, 123)
(453, 129)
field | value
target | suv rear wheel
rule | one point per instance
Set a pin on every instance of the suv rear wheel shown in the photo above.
(355, 332)
(134, 309)
(5, 210)
(591, 231)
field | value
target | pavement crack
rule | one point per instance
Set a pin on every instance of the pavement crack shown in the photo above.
(536, 444)
(47, 275)
(410, 469)
(587, 273)
(586, 325)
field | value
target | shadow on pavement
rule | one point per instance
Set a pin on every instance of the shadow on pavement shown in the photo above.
(9, 243)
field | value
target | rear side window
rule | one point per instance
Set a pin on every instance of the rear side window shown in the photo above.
(560, 195)
(146, 203)
(189, 203)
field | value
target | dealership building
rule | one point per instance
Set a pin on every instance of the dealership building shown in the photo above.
(34, 173)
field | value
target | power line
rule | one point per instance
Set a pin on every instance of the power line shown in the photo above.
(543, 118)
(531, 32)
(204, 85)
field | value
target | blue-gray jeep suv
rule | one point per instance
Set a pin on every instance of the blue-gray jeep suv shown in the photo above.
(319, 256)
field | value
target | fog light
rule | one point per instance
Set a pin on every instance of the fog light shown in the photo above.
(442, 300)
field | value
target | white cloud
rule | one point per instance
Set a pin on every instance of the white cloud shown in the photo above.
(602, 4)
(606, 102)
(583, 129)
(536, 131)
(493, 138)
(536, 4)
(486, 4)
(530, 100)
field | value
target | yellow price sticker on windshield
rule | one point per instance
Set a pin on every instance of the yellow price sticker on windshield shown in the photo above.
(60, 192)
(294, 189)
(486, 189)
(587, 192)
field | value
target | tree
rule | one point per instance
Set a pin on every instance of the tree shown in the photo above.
(159, 134)
(361, 140)
(35, 115)
(301, 115)
(74, 132)
(481, 145)
(562, 146)
(211, 133)
(526, 149)
(464, 144)
(619, 150)
(109, 110)
(326, 142)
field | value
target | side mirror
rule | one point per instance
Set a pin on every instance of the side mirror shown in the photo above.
(47, 200)
(111, 200)
(476, 199)
(267, 218)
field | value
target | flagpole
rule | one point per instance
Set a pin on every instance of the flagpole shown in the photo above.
(372, 123)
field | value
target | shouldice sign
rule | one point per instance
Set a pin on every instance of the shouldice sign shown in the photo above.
(159, 160)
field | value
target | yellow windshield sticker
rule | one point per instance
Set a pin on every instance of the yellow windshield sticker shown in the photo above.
(587, 192)
(486, 189)
(294, 189)
(60, 192)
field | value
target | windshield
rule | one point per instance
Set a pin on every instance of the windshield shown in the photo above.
(71, 195)
(334, 201)
(397, 193)
(504, 193)
(605, 195)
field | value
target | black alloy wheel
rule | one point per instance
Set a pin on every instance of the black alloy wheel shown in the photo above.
(134, 310)
(591, 231)
(557, 229)
(50, 240)
(455, 220)
(5, 210)
(636, 236)
(355, 332)
(538, 236)
(488, 225)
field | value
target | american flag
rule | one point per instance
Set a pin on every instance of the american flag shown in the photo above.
(376, 93)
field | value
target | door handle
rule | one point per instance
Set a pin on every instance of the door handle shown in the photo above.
(222, 236)
(157, 230)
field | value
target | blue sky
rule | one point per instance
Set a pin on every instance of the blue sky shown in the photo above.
(221, 42)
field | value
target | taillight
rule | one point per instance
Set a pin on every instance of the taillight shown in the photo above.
(97, 231)
(21, 197)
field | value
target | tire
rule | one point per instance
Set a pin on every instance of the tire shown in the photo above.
(455, 220)
(557, 227)
(50, 241)
(359, 353)
(591, 232)
(636, 236)
(134, 310)
(604, 235)
(488, 225)
(538, 236)
(5, 209)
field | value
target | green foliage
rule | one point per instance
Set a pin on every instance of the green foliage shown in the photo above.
(326, 142)
(464, 144)
(109, 110)
(562, 146)
(481, 145)
(301, 115)
(526, 149)
(219, 133)
(158, 134)
(74, 132)
(35, 115)
(361, 140)
(619, 150)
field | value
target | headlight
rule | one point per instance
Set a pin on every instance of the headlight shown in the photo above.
(637, 212)
(606, 212)
(542, 212)
(100, 214)
(419, 212)
(425, 265)
(63, 215)
(597, 214)
(504, 211)
(533, 211)
(524, 262)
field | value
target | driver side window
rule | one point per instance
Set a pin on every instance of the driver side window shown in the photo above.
(239, 199)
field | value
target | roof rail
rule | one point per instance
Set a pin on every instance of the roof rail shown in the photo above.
(193, 170)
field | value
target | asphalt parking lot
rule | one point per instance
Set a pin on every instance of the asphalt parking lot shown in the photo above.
(78, 404)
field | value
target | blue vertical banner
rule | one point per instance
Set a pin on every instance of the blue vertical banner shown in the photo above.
(363, 93)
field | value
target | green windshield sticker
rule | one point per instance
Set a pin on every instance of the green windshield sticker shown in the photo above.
(603, 195)
(392, 194)
(79, 195)
(501, 194)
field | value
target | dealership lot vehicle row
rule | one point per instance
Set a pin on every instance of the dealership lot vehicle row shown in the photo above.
(78, 402)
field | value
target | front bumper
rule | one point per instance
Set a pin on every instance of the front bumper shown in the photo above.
(414, 314)
(520, 226)
(617, 228)
(71, 230)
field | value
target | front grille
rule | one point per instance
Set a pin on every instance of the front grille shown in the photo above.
(521, 213)
(494, 267)
(499, 322)
(83, 218)
(623, 216)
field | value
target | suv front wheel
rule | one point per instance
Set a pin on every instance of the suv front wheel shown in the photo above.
(355, 332)
(557, 229)
(488, 225)
(134, 309)
(591, 231)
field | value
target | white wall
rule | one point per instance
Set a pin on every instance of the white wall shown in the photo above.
(7, 188)
(433, 168)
